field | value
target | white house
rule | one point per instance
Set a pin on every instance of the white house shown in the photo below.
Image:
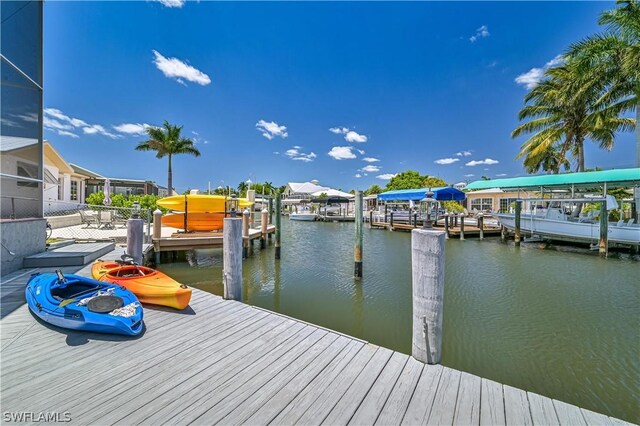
(296, 191)
(61, 181)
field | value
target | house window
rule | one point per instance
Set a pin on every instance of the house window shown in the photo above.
(29, 171)
(74, 190)
(505, 204)
(482, 204)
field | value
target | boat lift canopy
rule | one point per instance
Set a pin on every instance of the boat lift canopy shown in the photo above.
(445, 193)
(331, 200)
(612, 178)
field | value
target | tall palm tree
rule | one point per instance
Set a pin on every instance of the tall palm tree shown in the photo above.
(166, 141)
(564, 110)
(613, 57)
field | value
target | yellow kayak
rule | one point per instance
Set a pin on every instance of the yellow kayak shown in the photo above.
(195, 221)
(201, 203)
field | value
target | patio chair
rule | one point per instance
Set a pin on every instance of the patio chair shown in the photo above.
(89, 219)
(106, 219)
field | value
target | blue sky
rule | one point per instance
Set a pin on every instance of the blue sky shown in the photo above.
(298, 91)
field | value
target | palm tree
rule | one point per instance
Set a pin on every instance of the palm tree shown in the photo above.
(242, 188)
(564, 110)
(613, 57)
(167, 142)
(549, 161)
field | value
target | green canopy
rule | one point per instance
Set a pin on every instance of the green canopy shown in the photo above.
(613, 178)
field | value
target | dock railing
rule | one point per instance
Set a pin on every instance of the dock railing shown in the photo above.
(89, 222)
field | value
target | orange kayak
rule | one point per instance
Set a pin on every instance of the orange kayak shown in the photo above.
(149, 285)
(195, 221)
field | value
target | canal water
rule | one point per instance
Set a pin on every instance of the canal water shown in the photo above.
(565, 325)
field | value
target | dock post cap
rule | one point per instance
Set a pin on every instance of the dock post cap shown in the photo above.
(264, 211)
(246, 212)
(157, 211)
(461, 214)
(480, 214)
(428, 231)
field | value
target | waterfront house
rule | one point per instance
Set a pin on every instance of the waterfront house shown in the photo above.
(61, 181)
(494, 200)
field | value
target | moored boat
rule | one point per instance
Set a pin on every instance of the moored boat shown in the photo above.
(305, 216)
(556, 222)
(80, 303)
(149, 285)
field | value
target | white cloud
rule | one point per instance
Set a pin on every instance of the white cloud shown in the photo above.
(446, 160)
(98, 129)
(342, 153)
(469, 175)
(349, 135)
(370, 159)
(481, 32)
(487, 161)
(370, 169)
(271, 129)
(172, 3)
(387, 176)
(532, 78)
(56, 113)
(51, 123)
(358, 175)
(179, 70)
(65, 133)
(30, 117)
(353, 136)
(295, 154)
(501, 174)
(134, 128)
(463, 153)
(361, 151)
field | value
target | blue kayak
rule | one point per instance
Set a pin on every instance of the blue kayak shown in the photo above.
(79, 303)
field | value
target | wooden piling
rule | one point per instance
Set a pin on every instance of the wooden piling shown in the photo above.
(503, 233)
(427, 271)
(157, 224)
(370, 218)
(518, 215)
(446, 225)
(135, 237)
(462, 226)
(604, 229)
(391, 220)
(245, 233)
(232, 258)
(481, 225)
(278, 221)
(357, 250)
(270, 211)
(264, 222)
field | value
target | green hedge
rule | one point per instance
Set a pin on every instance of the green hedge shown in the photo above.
(120, 200)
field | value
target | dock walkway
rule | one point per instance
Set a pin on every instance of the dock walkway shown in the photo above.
(226, 362)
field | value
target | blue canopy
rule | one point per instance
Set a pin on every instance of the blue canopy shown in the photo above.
(445, 193)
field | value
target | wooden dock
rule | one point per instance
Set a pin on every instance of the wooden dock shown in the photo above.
(454, 231)
(226, 362)
(200, 240)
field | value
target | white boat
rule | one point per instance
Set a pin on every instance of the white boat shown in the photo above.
(304, 215)
(556, 222)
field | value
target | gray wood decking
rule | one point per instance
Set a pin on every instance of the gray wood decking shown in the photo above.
(229, 363)
(77, 254)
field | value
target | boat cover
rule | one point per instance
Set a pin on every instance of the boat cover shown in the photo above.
(446, 193)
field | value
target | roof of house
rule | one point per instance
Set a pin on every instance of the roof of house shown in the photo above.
(13, 143)
(613, 178)
(86, 172)
(56, 159)
(333, 193)
(306, 187)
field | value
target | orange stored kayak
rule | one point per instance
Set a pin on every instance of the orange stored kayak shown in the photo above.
(149, 285)
(195, 221)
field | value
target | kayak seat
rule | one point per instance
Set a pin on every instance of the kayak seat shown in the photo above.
(73, 290)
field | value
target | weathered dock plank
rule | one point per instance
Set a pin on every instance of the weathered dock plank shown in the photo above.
(491, 403)
(400, 397)
(516, 406)
(444, 404)
(542, 410)
(468, 403)
(422, 400)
